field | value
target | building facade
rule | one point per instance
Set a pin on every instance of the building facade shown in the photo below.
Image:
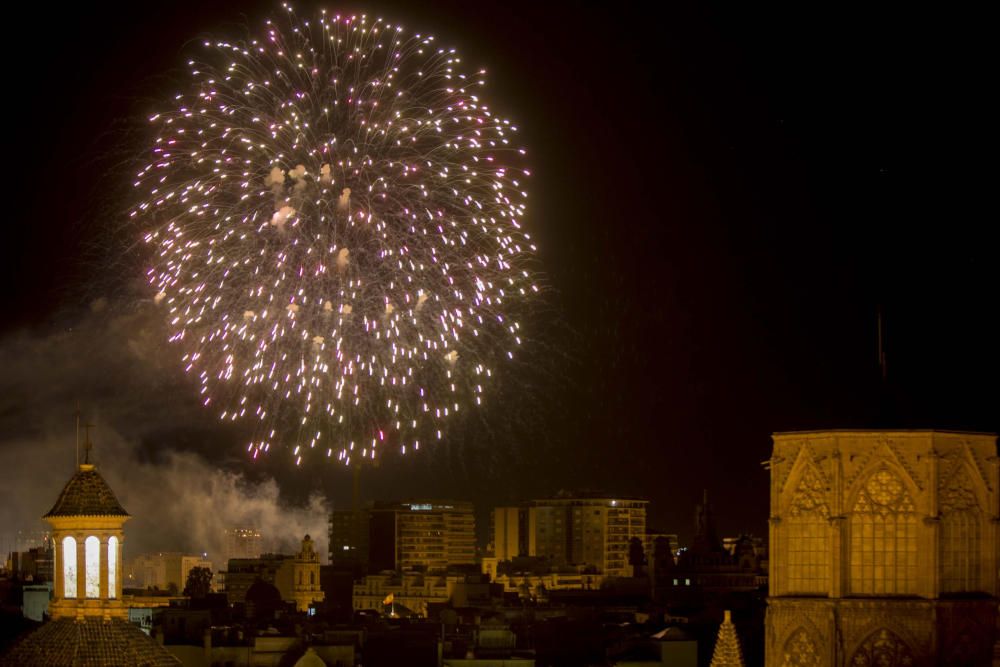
(579, 530)
(35, 564)
(163, 570)
(349, 537)
(425, 535)
(883, 548)
(242, 543)
(412, 590)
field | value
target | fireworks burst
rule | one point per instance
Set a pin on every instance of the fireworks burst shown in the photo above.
(335, 219)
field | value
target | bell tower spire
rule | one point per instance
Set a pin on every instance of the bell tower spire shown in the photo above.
(87, 534)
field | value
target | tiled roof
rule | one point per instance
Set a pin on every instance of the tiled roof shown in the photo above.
(90, 643)
(87, 494)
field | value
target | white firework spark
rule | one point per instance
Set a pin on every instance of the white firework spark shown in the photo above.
(335, 220)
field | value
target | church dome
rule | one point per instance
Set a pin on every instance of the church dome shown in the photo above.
(310, 659)
(87, 494)
(73, 643)
(263, 594)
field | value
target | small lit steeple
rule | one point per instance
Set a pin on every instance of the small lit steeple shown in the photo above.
(87, 522)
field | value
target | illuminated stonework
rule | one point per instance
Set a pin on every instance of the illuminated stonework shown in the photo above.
(884, 548)
(882, 647)
(298, 578)
(800, 651)
(87, 529)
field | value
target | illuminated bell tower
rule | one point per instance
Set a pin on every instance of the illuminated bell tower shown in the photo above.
(299, 577)
(87, 537)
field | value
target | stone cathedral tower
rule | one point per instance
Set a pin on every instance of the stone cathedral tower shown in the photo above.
(883, 548)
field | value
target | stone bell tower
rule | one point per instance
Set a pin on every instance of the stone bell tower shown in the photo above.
(89, 621)
(87, 537)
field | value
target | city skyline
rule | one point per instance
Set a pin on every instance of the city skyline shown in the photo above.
(724, 201)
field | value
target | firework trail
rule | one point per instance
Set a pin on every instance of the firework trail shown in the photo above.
(335, 224)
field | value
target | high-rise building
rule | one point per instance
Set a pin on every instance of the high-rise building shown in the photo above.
(883, 548)
(581, 530)
(349, 537)
(508, 534)
(429, 535)
(242, 543)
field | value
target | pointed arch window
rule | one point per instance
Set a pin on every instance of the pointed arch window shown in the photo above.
(92, 556)
(800, 651)
(69, 566)
(883, 647)
(961, 536)
(807, 537)
(112, 566)
(883, 531)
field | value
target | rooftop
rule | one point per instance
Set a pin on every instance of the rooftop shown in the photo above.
(87, 494)
(93, 642)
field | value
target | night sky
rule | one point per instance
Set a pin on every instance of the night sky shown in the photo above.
(724, 200)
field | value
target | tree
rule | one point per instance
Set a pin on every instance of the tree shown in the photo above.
(199, 583)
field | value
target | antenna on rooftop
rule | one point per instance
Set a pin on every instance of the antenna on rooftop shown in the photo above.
(78, 434)
(87, 446)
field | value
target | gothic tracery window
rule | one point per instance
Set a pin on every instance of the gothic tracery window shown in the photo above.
(807, 537)
(883, 538)
(961, 544)
(882, 648)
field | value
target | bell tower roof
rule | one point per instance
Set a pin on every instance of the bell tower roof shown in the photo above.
(87, 494)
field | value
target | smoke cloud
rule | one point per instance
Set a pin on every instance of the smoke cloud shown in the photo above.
(153, 442)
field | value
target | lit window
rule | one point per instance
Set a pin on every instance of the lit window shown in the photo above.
(883, 538)
(112, 566)
(92, 554)
(806, 537)
(69, 567)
